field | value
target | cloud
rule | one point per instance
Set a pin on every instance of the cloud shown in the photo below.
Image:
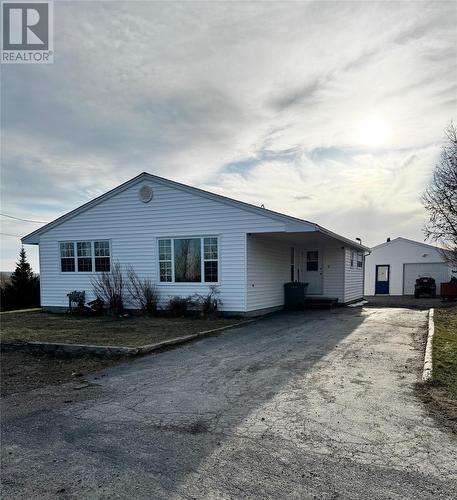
(259, 101)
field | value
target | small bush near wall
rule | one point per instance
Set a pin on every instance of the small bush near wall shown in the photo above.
(179, 306)
(208, 304)
(143, 292)
(110, 287)
(197, 304)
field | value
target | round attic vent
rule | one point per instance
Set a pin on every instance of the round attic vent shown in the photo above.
(145, 194)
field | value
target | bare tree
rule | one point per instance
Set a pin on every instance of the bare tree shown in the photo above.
(109, 286)
(142, 291)
(440, 199)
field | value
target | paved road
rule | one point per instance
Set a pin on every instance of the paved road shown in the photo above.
(317, 405)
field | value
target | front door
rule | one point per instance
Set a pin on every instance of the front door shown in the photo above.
(313, 271)
(382, 279)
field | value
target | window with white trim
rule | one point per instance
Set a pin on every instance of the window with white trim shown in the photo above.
(189, 260)
(187, 254)
(165, 261)
(67, 257)
(312, 261)
(359, 260)
(85, 256)
(210, 260)
(352, 258)
(84, 249)
(102, 256)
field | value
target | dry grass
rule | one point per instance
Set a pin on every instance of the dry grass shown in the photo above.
(24, 371)
(100, 330)
(440, 395)
(445, 350)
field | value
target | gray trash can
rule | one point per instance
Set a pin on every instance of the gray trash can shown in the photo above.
(294, 295)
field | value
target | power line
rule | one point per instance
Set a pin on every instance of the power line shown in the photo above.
(23, 220)
(12, 235)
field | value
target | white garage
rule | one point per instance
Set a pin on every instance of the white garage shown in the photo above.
(393, 267)
(438, 271)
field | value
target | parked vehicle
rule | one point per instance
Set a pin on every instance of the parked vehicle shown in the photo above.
(425, 286)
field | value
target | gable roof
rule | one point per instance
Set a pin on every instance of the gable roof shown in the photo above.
(32, 238)
(413, 242)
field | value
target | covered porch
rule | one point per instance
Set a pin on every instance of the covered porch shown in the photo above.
(321, 260)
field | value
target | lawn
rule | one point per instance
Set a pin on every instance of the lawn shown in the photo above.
(445, 350)
(24, 371)
(129, 331)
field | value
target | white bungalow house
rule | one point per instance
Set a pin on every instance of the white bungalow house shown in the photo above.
(186, 239)
(393, 267)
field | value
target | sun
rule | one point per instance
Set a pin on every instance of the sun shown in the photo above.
(373, 131)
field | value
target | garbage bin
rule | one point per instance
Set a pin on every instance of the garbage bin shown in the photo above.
(294, 295)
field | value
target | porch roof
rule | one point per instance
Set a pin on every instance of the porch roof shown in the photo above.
(318, 236)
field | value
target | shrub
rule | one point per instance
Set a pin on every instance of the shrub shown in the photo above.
(109, 286)
(178, 306)
(208, 304)
(143, 292)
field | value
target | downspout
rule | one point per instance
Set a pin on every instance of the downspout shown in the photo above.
(363, 278)
(246, 286)
(344, 273)
(364, 270)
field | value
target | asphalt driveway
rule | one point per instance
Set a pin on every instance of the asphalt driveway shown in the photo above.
(315, 405)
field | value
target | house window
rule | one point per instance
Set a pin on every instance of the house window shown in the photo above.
(352, 258)
(210, 260)
(85, 256)
(292, 264)
(84, 249)
(359, 260)
(165, 261)
(187, 255)
(67, 257)
(189, 260)
(102, 256)
(312, 261)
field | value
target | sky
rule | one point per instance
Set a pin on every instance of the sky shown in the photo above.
(329, 111)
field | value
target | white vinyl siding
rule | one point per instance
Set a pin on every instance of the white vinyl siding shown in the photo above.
(134, 229)
(269, 267)
(353, 277)
(333, 271)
